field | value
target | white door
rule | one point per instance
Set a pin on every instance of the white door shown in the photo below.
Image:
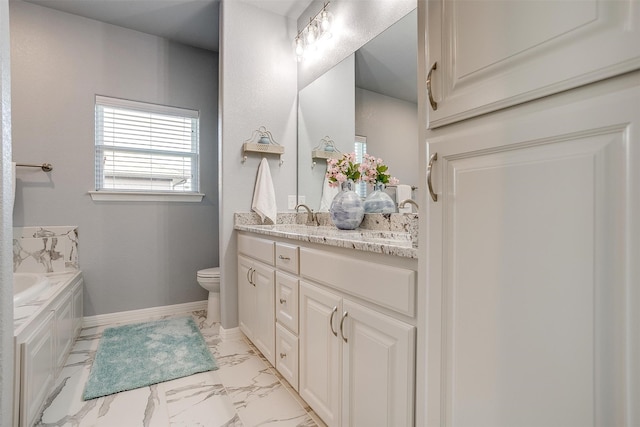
(493, 54)
(378, 368)
(533, 285)
(320, 350)
(246, 296)
(264, 332)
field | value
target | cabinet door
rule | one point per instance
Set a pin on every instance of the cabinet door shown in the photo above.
(264, 332)
(37, 370)
(533, 295)
(287, 301)
(287, 355)
(320, 349)
(378, 369)
(491, 55)
(246, 296)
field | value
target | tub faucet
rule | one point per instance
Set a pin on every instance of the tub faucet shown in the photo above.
(409, 201)
(311, 216)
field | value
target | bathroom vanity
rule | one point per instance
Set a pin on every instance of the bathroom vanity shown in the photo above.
(335, 313)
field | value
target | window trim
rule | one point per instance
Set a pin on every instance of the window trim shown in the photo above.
(110, 194)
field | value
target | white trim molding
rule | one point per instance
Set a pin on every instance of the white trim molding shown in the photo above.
(138, 196)
(231, 334)
(142, 314)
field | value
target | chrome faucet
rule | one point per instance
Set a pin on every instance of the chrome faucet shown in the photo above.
(409, 201)
(311, 216)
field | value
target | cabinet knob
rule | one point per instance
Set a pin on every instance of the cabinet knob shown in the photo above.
(285, 258)
(282, 300)
(433, 103)
(283, 355)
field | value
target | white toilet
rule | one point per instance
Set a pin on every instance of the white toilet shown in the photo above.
(209, 279)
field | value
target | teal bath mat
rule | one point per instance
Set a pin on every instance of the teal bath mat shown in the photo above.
(139, 355)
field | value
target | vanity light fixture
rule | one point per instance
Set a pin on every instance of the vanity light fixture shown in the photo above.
(317, 30)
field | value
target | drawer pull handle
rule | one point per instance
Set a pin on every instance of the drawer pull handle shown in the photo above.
(253, 270)
(249, 271)
(335, 310)
(283, 355)
(285, 258)
(432, 159)
(433, 103)
(344, 316)
(282, 300)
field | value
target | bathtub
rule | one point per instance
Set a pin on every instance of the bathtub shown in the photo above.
(28, 286)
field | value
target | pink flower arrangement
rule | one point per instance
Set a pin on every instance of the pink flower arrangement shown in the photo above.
(343, 169)
(373, 171)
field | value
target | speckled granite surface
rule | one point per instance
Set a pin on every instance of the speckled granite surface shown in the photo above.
(390, 234)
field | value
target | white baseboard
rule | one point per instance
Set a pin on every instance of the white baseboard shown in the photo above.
(142, 314)
(231, 334)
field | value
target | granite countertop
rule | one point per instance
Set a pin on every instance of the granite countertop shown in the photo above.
(396, 240)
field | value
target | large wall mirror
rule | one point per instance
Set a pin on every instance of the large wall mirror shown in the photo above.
(369, 99)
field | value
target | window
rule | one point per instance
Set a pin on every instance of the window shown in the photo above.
(144, 147)
(360, 149)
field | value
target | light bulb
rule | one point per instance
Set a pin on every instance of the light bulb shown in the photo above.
(299, 47)
(312, 33)
(325, 24)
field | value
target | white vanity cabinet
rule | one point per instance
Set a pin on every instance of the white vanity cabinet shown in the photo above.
(533, 296)
(357, 360)
(345, 326)
(484, 56)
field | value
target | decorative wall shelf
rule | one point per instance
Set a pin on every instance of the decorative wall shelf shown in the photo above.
(325, 150)
(261, 142)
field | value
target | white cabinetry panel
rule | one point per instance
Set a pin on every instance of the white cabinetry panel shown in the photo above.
(491, 55)
(532, 306)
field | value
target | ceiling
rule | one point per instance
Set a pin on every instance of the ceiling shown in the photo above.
(191, 22)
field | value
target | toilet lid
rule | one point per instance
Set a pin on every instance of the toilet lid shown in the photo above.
(209, 272)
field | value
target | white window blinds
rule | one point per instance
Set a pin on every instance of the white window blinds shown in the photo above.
(360, 148)
(145, 147)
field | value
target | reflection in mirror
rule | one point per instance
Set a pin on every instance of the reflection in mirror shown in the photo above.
(370, 96)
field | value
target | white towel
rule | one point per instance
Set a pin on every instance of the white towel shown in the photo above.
(328, 193)
(403, 192)
(264, 196)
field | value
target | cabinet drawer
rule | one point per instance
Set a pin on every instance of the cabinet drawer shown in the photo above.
(287, 257)
(287, 301)
(287, 355)
(256, 248)
(385, 285)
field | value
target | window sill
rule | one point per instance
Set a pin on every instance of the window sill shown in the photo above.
(132, 196)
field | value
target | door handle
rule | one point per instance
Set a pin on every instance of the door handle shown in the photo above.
(253, 270)
(433, 103)
(335, 310)
(248, 273)
(432, 159)
(344, 316)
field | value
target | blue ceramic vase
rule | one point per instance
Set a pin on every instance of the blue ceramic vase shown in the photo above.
(347, 210)
(378, 201)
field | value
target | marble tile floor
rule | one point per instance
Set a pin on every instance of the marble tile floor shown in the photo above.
(244, 391)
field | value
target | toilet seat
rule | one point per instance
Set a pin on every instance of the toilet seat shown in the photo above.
(209, 273)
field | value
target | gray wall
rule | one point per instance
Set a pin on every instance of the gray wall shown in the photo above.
(391, 127)
(258, 88)
(6, 190)
(133, 255)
